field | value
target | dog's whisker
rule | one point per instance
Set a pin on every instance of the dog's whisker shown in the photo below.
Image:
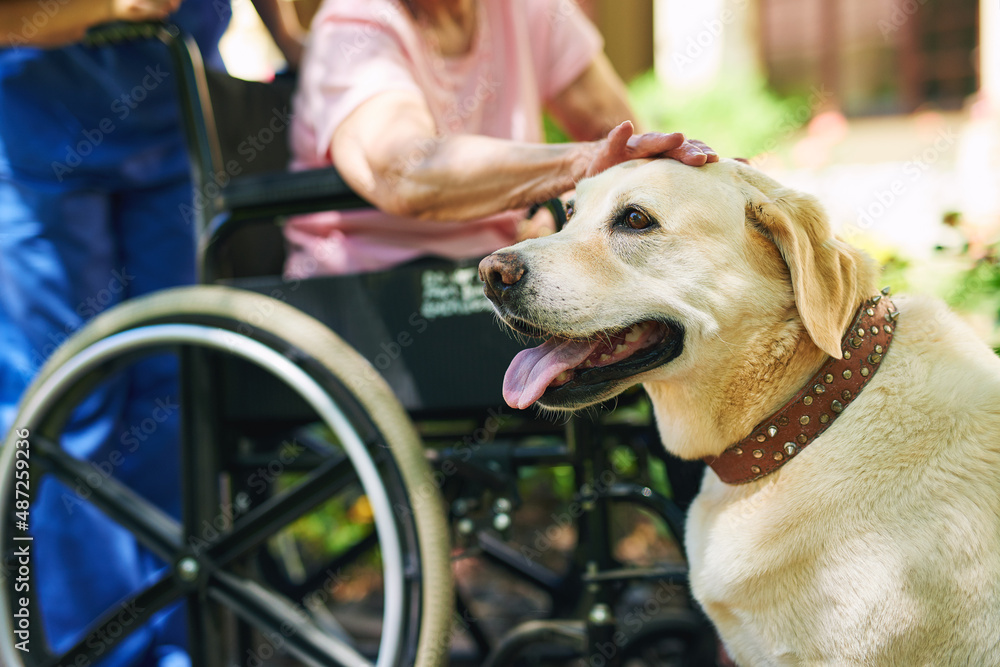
(557, 417)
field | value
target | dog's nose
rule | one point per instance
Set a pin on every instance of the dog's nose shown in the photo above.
(500, 272)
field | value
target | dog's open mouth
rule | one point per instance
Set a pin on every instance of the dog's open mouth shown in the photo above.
(570, 371)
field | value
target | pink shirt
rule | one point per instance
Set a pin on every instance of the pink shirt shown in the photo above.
(525, 53)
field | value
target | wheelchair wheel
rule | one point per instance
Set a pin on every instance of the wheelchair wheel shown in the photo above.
(360, 451)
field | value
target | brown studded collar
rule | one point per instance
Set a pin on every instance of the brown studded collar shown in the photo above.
(784, 434)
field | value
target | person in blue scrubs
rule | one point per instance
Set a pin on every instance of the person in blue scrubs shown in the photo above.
(93, 181)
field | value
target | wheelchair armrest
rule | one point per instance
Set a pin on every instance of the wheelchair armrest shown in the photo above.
(262, 198)
(288, 193)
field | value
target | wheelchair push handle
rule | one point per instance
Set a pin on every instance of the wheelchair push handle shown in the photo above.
(125, 31)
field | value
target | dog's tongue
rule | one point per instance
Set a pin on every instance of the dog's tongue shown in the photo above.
(533, 370)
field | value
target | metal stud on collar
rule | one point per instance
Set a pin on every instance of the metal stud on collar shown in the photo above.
(807, 415)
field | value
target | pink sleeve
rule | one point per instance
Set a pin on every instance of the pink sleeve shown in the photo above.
(348, 63)
(565, 42)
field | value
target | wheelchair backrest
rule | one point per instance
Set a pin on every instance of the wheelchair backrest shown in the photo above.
(425, 327)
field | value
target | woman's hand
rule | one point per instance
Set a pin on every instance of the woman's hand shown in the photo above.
(622, 145)
(72, 20)
(141, 10)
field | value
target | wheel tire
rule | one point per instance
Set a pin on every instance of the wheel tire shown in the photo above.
(246, 316)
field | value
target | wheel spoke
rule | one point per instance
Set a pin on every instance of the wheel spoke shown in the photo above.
(279, 511)
(282, 622)
(120, 622)
(150, 525)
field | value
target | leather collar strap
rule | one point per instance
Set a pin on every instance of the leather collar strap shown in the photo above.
(784, 434)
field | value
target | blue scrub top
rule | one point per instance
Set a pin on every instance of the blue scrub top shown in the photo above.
(100, 116)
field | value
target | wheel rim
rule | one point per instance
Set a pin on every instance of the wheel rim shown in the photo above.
(161, 335)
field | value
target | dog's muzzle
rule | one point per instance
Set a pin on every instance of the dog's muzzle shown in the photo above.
(571, 368)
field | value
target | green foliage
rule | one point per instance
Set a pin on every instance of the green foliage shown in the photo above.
(624, 461)
(969, 282)
(895, 272)
(553, 133)
(658, 479)
(738, 117)
(331, 528)
(978, 288)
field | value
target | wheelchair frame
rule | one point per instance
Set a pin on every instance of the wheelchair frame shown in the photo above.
(588, 593)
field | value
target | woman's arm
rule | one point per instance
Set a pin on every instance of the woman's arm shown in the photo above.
(282, 22)
(62, 22)
(388, 152)
(594, 103)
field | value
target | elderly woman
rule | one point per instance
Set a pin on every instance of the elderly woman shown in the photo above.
(432, 111)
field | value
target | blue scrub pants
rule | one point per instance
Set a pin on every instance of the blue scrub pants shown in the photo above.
(67, 253)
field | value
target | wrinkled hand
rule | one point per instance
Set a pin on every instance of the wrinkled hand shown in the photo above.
(141, 10)
(622, 145)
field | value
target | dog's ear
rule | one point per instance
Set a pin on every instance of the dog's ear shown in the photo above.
(829, 277)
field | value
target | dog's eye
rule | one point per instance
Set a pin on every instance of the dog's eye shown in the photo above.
(570, 208)
(633, 218)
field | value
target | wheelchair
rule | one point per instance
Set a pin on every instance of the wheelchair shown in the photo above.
(344, 442)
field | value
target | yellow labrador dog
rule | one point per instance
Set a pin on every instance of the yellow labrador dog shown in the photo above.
(851, 512)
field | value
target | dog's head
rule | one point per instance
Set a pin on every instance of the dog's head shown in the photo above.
(665, 272)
